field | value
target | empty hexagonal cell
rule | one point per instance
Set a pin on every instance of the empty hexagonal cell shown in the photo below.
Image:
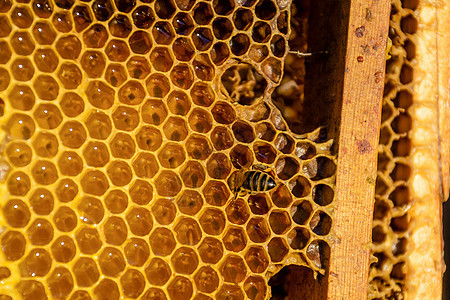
(100, 95)
(202, 13)
(259, 204)
(284, 143)
(401, 172)
(265, 9)
(300, 186)
(320, 223)
(278, 249)
(235, 239)
(278, 46)
(164, 211)
(168, 184)
(96, 154)
(233, 269)
(40, 232)
(406, 74)
(60, 282)
(157, 271)
(272, 68)
(261, 32)
(239, 44)
(138, 67)
(131, 93)
(88, 240)
(171, 155)
(44, 172)
(93, 63)
(21, 97)
(13, 245)
(216, 193)
(219, 53)
(301, 212)
(255, 287)
(298, 238)
(145, 165)
(111, 261)
(319, 168)
(322, 194)
(46, 144)
(257, 259)
(18, 184)
(218, 166)
(206, 279)
(82, 17)
(141, 192)
(115, 74)
(193, 174)
(264, 152)
(139, 221)
(318, 252)
(115, 231)
(401, 147)
(65, 219)
(241, 156)
(106, 288)
(70, 163)
(242, 18)
(238, 212)
(279, 221)
(202, 38)
(212, 221)
(401, 223)
(162, 241)
(286, 167)
(378, 234)
(95, 36)
(99, 125)
(125, 118)
(148, 138)
(153, 112)
(265, 131)
(16, 213)
(41, 201)
(402, 123)
(221, 138)
(37, 263)
(133, 283)
(202, 94)
(190, 202)
(175, 129)
(183, 23)
(400, 196)
(258, 230)
(180, 288)
(163, 33)
(22, 43)
(243, 132)
(188, 231)
(409, 24)
(198, 147)
(184, 260)
(180, 104)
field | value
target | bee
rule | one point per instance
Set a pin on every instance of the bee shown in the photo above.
(257, 180)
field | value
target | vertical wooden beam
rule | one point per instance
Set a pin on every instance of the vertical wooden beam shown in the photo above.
(358, 141)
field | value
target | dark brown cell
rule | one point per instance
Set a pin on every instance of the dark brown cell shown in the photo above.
(305, 150)
(198, 147)
(62, 21)
(213, 221)
(298, 238)
(223, 113)
(143, 17)
(219, 53)
(125, 5)
(203, 68)
(259, 204)
(278, 46)
(216, 193)
(202, 94)
(282, 22)
(183, 49)
(157, 85)
(95, 36)
(286, 167)
(323, 194)
(264, 152)
(255, 287)
(81, 17)
(223, 7)
(163, 33)
(13, 245)
(243, 132)
(140, 42)
(43, 8)
(103, 9)
(409, 24)
(242, 18)
(202, 38)
(164, 9)
(139, 68)
(279, 221)
(241, 156)
(183, 23)
(406, 74)
(65, 4)
(265, 9)
(239, 44)
(190, 202)
(261, 32)
(203, 13)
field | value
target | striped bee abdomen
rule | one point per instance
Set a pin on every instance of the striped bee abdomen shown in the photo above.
(257, 181)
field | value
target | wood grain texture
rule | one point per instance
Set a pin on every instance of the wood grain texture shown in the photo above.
(358, 140)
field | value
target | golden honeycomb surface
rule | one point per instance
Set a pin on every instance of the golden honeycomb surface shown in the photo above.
(123, 123)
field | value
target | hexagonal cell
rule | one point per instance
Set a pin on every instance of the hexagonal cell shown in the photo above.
(62, 21)
(163, 33)
(180, 288)
(216, 193)
(154, 294)
(198, 147)
(319, 168)
(16, 213)
(206, 279)
(400, 196)
(212, 221)
(6, 50)
(68, 47)
(188, 231)
(47, 88)
(95, 36)
(278, 249)
(21, 16)
(168, 184)
(193, 174)
(158, 271)
(21, 69)
(19, 154)
(233, 269)
(96, 154)
(175, 129)
(298, 238)
(13, 245)
(161, 59)
(223, 113)
(81, 17)
(258, 230)
(409, 24)
(140, 42)
(305, 150)
(99, 125)
(164, 211)
(179, 104)
(94, 182)
(203, 68)
(120, 26)
(243, 132)
(171, 155)
(22, 43)
(107, 288)
(378, 234)
(286, 167)
(184, 260)
(202, 38)
(259, 204)
(301, 212)
(18, 184)
(41, 202)
(116, 201)
(63, 249)
(300, 186)
(182, 76)
(278, 46)
(190, 202)
(115, 231)
(381, 209)
(401, 172)
(70, 163)
(30, 289)
(141, 192)
(37, 263)
(131, 93)
(322, 194)
(66, 190)
(402, 123)
(20, 126)
(183, 23)
(139, 221)
(279, 221)
(319, 253)
(117, 50)
(241, 156)
(210, 250)
(238, 212)
(93, 63)
(239, 44)
(401, 223)
(148, 138)
(157, 85)
(44, 172)
(320, 223)
(264, 152)
(133, 283)
(153, 112)
(70, 75)
(65, 219)
(242, 18)
(115, 74)
(235, 239)
(5, 26)
(111, 261)
(221, 138)
(100, 95)
(103, 9)
(88, 240)
(164, 9)
(90, 210)
(183, 49)
(143, 17)
(125, 118)
(255, 287)
(219, 53)
(162, 241)
(202, 94)
(202, 13)
(272, 68)
(257, 259)
(136, 252)
(218, 166)
(139, 68)
(21, 97)
(60, 282)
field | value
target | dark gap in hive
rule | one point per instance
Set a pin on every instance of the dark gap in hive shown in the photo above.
(297, 282)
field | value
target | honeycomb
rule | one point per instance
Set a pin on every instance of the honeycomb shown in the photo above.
(391, 232)
(123, 125)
